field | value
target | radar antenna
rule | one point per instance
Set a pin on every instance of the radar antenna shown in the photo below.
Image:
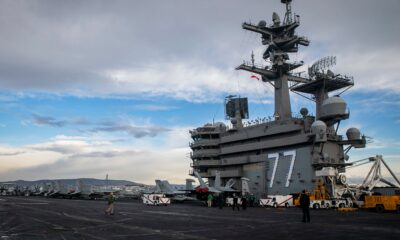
(320, 65)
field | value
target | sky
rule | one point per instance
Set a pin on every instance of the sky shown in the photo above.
(89, 88)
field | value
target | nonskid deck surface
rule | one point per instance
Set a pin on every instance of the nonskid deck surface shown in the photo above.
(43, 218)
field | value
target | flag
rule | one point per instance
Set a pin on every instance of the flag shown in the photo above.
(254, 76)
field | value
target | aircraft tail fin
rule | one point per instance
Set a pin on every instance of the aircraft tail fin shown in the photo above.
(57, 185)
(158, 186)
(245, 185)
(189, 184)
(217, 181)
(78, 185)
(201, 181)
(166, 187)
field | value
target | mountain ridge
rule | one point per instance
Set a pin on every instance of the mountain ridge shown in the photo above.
(72, 181)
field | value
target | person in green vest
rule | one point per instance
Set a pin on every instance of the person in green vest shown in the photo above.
(111, 200)
(210, 200)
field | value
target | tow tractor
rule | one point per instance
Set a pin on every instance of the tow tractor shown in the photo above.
(382, 203)
(277, 201)
(156, 199)
(319, 199)
(328, 203)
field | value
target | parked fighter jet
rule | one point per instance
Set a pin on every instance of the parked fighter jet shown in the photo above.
(59, 190)
(163, 186)
(217, 184)
(75, 191)
(52, 189)
(42, 190)
(133, 192)
(203, 189)
(86, 191)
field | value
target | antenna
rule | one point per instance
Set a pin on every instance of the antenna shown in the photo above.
(288, 15)
(252, 58)
(322, 64)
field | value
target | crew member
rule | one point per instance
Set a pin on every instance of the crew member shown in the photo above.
(244, 202)
(305, 206)
(235, 203)
(111, 200)
(210, 200)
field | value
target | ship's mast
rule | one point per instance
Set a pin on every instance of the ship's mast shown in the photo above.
(288, 14)
(281, 40)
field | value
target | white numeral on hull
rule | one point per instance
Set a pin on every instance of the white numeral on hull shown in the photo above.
(275, 157)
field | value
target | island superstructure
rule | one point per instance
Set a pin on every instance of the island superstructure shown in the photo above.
(288, 152)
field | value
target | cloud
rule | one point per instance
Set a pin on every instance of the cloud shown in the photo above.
(52, 122)
(11, 153)
(379, 104)
(373, 70)
(119, 50)
(140, 166)
(62, 146)
(135, 131)
(154, 107)
(190, 81)
(49, 121)
(72, 145)
(89, 156)
(107, 154)
(13, 158)
(104, 126)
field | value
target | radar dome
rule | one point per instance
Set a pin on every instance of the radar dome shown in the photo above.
(262, 23)
(303, 111)
(333, 107)
(353, 134)
(319, 129)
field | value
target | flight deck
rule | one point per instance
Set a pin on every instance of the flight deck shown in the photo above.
(46, 218)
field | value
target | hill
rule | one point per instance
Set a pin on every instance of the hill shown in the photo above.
(88, 181)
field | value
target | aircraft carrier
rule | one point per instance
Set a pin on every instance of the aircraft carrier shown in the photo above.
(285, 153)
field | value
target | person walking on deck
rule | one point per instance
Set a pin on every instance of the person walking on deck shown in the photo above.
(111, 200)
